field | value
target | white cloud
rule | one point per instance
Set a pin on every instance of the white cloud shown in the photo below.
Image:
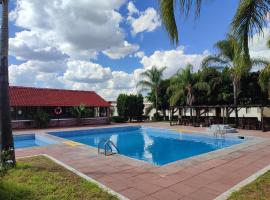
(27, 46)
(122, 80)
(132, 8)
(61, 35)
(258, 45)
(78, 75)
(139, 54)
(173, 60)
(29, 74)
(147, 20)
(86, 72)
(121, 51)
(77, 28)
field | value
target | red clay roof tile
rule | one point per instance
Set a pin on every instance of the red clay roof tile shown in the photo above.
(29, 96)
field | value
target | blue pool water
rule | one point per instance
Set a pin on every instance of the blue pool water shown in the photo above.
(31, 140)
(157, 146)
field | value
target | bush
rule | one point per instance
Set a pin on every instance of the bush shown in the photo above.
(79, 111)
(130, 106)
(157, 117)
(117, 119)
(6, 161)
(42, 119)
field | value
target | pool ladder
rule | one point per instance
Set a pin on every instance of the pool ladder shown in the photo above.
(108, 147)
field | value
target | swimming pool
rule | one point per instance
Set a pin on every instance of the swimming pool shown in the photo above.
(156, 146)
(31, 140)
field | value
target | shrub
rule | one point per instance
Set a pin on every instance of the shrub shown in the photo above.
(6, 161)
(130, 106)
(42, 119)
(80, 111)
(157, 117)
(117, 119)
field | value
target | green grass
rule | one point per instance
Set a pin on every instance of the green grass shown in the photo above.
(257, 190)
(40, 178)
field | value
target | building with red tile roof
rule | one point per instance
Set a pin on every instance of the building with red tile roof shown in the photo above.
(30, 96)
(57, 103)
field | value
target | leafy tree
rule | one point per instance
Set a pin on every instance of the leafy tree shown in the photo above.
(122, 105)
(251, 93)
(185, 83)
(130, 106)
(79, 111)
(230, 54)
(152, 81)
(42, 119)
(167, 11)
(249, 19)
(214, 78)
(264, 79)
(137, 107)
(6, 138)
(163, 103)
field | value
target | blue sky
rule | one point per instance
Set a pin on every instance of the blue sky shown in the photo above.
(104, 45)
(197, 35)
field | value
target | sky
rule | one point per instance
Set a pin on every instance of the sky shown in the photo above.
(105, 45)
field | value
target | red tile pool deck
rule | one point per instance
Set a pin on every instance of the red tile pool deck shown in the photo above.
(202, 177)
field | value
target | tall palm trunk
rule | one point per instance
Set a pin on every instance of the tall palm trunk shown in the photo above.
(156, 94)
(235, 101)
(5, 115)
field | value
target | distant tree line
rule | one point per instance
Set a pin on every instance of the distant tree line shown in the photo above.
(129, 107)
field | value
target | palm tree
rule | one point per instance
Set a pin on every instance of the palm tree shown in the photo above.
(152, 81)
(167, 8)
(264, 79)
(249, 19)
(231, 54)
(6, 141)
(183, 84)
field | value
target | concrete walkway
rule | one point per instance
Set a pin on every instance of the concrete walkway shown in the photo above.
(202, 177)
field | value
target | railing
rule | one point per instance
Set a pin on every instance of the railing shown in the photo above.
(108, 146)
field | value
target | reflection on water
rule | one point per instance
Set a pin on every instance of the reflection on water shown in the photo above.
(156, 146)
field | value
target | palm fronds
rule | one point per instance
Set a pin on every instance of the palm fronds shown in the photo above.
(250, 18)
(264, 79)
(167, 12)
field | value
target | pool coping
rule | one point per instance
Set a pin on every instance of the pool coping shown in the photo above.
(252, 140)
(194, 172)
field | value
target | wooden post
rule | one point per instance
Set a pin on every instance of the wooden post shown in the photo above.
(262, 120)
(223, 115)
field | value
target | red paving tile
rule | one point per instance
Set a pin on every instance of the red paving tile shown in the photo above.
(132, 193)
(172, 179)
(118, 185)
(147, 188)
(218, 186)
(147, 198)
(166, 194)
(182, 189)
(203, 178)
(203, 194)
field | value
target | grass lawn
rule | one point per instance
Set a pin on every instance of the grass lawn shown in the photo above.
(40, 178)
(258, 189)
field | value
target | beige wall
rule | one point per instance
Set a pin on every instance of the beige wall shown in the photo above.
(243, 112)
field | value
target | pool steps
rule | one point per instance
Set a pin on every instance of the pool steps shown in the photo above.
(108, 146)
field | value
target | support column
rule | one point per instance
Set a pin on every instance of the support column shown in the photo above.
(262, 119)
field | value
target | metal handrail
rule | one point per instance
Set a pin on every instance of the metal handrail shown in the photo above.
(107, 144)
(99, 144)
